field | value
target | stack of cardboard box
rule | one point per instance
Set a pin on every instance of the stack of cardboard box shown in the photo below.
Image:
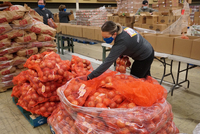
(158, 21)
(89, 32)
(127, 21)
(197, 18)
(174, 44)
(166, 5)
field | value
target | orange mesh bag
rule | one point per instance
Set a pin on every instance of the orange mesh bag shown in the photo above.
(140, 92)
(122, 63)
(49, 66)
(80, 67)
(76, 90)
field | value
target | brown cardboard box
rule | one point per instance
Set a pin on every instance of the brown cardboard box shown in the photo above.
(144, 26)
(161, 7)
(124, 19)
(172, 3)
(71, 30)
(78, 31)
(150, 26)
(177, 17)
(71, 17)
(85, 31)
(116, 19)
(160, 27)
(195, 54)
(110, 18)
(165, 43)
(161, 1)
(137, 25)
(90, 33)
(183, 47)
(64, 28)
(173, 19)
(152, 39)
(153, 19)
(155, 5)
(127, 24)
(197, 14)
(97, 34)
(140, 19)
(164, 20)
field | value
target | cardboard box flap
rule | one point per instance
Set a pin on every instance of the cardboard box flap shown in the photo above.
(145, 14)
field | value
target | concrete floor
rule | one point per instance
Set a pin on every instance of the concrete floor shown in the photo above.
(185, 105)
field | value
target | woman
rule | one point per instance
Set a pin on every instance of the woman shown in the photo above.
(63, 15)
(126, 42)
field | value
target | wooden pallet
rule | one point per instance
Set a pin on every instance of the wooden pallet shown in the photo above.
(5, 89)
(34, 120)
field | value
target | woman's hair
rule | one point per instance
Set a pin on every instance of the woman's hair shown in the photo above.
(61, 7)
(111, 27)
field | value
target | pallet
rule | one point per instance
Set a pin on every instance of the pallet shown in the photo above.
(34, 120)
(5, 89)
(51, 129)
(86, 42)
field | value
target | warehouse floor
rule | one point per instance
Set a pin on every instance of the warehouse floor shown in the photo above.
(185, 105)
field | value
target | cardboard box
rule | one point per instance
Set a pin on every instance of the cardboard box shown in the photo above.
(110, 18)
(71, 30)
(124, 19)
(195, 54)
(85, 31)
(161, 1)
(196, 14)
(173, 19)
(152, 39)
(164, 20)
(116, 19)
(144, 26)
(71, 17)
(64, 28)
(165, 43)
(97, 34)
(153, 19)
(172, 3)
(151, 26)
(78, 31)
(137, 25)
(177, 17)
(160, 27)
(183, 47)
(127, 24)
(90, 33)
(140, 19)
(154, 6)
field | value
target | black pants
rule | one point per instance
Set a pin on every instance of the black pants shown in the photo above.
(141, 69)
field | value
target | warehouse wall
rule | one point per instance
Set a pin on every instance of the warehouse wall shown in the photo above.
(70, 6)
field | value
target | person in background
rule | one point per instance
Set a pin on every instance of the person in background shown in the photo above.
(63, 15)
(145, 8)
(126, 42)
(42, 11)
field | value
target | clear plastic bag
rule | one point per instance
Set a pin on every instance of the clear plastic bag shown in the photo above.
(197, 129)
(137, 119)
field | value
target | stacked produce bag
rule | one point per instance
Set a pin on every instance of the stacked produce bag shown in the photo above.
(96, 17)
(128, 6)
(113, 103)
(22, 34)
(36, 87)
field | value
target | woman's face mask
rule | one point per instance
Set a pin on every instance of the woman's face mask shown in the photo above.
(41, 6)
(65, 9)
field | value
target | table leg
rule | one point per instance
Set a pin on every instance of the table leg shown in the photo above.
(68, 44)
(171, 72)
(72, 45)
(104, 53)
(164, 64)
(179, 64)
(187, 75)
(58, 42)
(62, 46)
